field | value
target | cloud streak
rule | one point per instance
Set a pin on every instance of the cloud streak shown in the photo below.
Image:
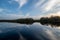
(21, 2)
(33, 8)
(50, 4)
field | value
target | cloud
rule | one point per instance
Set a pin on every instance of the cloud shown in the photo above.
(17, 16)
(13, 16)
(50, 4)
(10, 16)
(27, 15)
(42, 8)
(1, 9)
(21, 2)
(47, 5)
(53, 14)
(39, 3)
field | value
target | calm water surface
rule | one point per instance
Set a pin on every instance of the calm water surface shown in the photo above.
(36, 31)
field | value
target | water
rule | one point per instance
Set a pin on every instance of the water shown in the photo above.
(36, 31)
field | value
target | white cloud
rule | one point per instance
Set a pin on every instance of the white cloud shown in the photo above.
(17, 16)
(21, 2)
(53, 5)
(14, 16)
(10, 2)
(10, 16)
(1, 10)
(50, 4)
(39, 3)
(27, 15)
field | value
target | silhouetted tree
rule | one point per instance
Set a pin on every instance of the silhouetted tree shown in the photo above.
(53, 20)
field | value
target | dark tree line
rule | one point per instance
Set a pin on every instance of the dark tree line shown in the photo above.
(22, 21)
(53, 20)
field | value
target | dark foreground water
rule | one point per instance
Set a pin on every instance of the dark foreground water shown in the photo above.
(36, 31)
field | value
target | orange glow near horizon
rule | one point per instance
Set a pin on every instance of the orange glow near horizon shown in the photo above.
(53, 14)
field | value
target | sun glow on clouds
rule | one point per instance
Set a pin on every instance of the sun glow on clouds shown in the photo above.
(52, 8)
(54, 14)
(50, 4)
(47, 6)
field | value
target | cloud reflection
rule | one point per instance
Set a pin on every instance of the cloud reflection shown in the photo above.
(32, 32)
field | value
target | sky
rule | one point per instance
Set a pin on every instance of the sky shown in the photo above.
(12, 9)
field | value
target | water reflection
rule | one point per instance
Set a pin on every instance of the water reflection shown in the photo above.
(52, 25)
(36, 31)
(44, 23)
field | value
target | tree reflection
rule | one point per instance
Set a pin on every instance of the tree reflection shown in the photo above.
(53, 21)
(21, 21)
